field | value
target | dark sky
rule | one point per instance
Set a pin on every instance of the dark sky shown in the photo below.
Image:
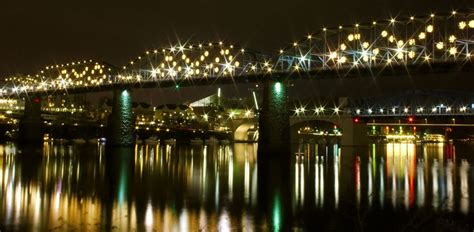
(39, 33)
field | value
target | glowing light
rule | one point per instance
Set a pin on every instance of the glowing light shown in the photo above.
(350, 37)
(375, 51)
(391, 39)
(276, 214)
(429, 28)
(400, 54)
(149, 215)
(452, 38)
(471, 24)
(440, 45)
(422, 36)
(400, 43)
(453, 50)
(342, 59)
(384, 34)
(343, 47)
(278, 87)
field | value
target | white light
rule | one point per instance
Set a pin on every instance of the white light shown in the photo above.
(342, 59)
(452, 38)
(453, 50)
(440, 45)
(471, 23)
(365, 44)
(422, 36)
(350, 37)
(429, 28)
(375, 51)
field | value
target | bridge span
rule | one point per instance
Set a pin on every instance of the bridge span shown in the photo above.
(379, 58)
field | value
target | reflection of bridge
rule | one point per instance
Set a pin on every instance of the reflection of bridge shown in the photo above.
(415, 50)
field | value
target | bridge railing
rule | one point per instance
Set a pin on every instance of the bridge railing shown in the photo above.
(414, 40)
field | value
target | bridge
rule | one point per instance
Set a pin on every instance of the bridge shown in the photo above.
(432, 51)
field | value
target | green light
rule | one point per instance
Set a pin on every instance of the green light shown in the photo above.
(278, 87)
(176, 86)
(276, 214)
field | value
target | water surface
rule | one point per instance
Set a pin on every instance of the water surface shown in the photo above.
(395, 186)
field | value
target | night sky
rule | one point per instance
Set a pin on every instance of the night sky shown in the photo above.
(38, 33)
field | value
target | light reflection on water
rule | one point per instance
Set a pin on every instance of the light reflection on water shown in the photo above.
(216, 187)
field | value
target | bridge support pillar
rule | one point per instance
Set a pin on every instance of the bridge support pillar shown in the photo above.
(120, 125)
(274, 123)
(353, 134)
(31, 125)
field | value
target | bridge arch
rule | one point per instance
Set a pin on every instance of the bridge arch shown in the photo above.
(380, 44)
(242, 132)
(186, 62)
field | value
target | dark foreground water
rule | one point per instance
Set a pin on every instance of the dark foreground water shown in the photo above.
(384, 187)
